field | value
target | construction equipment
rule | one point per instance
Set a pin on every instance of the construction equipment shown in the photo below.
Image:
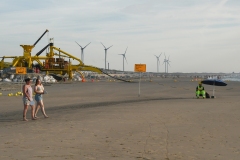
(49, 63)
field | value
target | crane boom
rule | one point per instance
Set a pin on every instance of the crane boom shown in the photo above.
(40, 37)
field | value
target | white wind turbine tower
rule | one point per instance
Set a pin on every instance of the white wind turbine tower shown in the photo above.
(158, 62)
(168, 64)
(124, 57)
(106, 54)
(165, 62)
(82, 52)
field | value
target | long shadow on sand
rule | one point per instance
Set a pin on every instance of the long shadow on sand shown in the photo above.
(13, 116)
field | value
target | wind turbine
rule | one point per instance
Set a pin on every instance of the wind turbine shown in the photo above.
(158, 61)
(124, 57)
(106, 54)
(168, 64)
(82, 53)
(165, 61)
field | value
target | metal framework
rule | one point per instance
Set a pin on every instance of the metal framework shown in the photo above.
(49, 63)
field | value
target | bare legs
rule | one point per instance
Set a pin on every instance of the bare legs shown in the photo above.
(25, 112)
(40, 104)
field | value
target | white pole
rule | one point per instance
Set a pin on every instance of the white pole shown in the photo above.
(21, 84)
(21, 80)
(105, 58)
(213, 89)
(139, 85)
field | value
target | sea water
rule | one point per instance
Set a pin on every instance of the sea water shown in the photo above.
(231, 77)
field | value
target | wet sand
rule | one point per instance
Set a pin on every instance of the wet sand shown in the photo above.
(107, 120)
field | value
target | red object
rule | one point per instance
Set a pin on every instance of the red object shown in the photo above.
(37, 70)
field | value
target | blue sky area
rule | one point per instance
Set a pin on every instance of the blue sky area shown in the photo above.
(196, 35)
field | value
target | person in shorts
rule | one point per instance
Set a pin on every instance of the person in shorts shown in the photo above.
(39, 90)
(27, 99)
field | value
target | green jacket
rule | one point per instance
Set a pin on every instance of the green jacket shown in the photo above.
(199, 88)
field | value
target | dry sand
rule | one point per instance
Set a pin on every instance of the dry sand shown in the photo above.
(107, 120)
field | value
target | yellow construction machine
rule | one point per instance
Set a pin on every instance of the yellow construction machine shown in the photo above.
(51, 63)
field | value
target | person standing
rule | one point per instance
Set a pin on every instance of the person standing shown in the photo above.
(27, 99)
(200, 91)
(39, 90)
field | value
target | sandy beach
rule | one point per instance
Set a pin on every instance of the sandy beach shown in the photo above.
(108, 120)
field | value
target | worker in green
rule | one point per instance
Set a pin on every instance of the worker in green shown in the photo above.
(200, 91)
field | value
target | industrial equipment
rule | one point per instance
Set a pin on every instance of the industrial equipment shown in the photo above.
(51, 63)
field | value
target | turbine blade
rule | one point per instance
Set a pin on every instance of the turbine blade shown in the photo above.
(168, 63)
(126, 50)
(110, 47)
(125, 59)
(86, 45)
(103, 45)
(160, 55)
(79, 44)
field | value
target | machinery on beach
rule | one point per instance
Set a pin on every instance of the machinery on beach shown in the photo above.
(51, 63)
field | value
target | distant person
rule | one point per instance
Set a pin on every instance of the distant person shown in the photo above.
(200, 91)
(39, 90)
(27, 99)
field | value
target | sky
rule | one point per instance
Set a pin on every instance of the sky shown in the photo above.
(195, 35)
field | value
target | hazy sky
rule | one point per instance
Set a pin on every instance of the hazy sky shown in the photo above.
(198, 35)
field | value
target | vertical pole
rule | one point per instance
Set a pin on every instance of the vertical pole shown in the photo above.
(139, 85)
(69, 68)
(105, 58)
(108, 65)
(59, 53)
(123, 63)
(83, 55)
(165, 67)
(213, 89)
(21, 81)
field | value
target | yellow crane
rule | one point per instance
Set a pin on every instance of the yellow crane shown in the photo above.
(49, 63)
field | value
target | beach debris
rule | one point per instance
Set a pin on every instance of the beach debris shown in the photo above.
(11, 76)
(10, 94)
(77, 78)
(40, 78)
(6, 80)
(20, 93)
(57, 77)
(48, 79)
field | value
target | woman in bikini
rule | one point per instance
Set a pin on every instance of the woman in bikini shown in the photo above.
(39, 90)
(27, 99)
